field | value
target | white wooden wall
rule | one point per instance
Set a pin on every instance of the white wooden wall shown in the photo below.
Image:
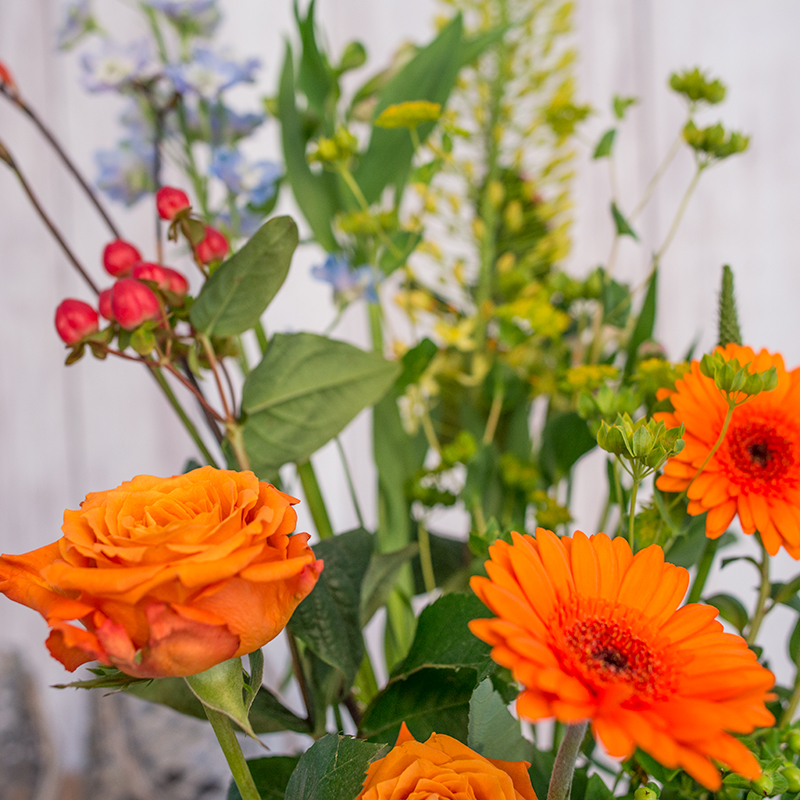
(65, 432)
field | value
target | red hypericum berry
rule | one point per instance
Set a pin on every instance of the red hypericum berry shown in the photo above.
(169, 201)
(104, 304)
(147, 271)
(119, 257)
(6, 79)
(132, 303)
(75, 319)
(177, 283)
(213, 247)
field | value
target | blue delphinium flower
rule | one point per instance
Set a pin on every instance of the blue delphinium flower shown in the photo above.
(199, 17)
(76, 21)
(227, 126)
(253, 180)
(115, 65)
(207, 73)
(126, 174)
(348, 283)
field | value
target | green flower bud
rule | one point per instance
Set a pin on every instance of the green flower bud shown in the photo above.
(611, 439)
(641, 442)
(792, 775)
(793, 742)
(763, 785)
(645, 793)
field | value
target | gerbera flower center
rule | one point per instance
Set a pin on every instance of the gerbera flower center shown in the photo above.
(606, 652)
(760, 450)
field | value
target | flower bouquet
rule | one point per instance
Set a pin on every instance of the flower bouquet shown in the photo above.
(518, 658)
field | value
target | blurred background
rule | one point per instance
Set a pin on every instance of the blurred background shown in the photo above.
(66, 432)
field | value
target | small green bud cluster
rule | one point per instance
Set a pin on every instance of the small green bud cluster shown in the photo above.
(608, 403)
(735, 380)
(337, 149)
(697, 88)
(647, 444)
(714, 142)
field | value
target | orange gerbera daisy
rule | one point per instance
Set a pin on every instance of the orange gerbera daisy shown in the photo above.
(593, 632)
(756, 471)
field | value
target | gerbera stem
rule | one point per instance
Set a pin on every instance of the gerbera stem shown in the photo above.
(233, 754)
(632, 513)
(763, 596)
(564, 766)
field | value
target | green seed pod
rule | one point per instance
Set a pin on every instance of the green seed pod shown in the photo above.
(792, 775)
(763, 785)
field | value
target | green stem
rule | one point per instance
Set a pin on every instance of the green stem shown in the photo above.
(632, 512)
(261, 335)
(494, 414)
(703, 568)
(679, 214)
(187, 423)
(366, 682)
(376, 327)
(350, 484)
(618, 488)
(337, 715)
(788, 714)
(236, 439)
(316, 503)
(763, 596)
(564, 766)
(233, 754)
(426, 561)
(711, 453)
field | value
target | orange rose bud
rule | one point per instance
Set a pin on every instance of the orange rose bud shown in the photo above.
(168, 576)
(75, 319)
(170, 201)
(132, 303)
(214, 247)
(119, 256)
(443, 767)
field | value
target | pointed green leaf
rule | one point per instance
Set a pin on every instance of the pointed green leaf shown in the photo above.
(256, 659)
(315, 193)
(623, 228)
(379, 578)
(236, 295)
(605, 145)
(315, 77)
(333, 768)
(493, 732)
(643, 330)
(730, 609)
(221, 689)
(430, 75)
(303, 393)
(565, 439)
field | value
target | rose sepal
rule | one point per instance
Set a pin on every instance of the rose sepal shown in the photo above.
(222, 689)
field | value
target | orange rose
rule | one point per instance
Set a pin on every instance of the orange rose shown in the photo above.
(169, 576)
(444, 768)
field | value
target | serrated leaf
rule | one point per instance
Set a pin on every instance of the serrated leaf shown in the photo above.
(303, 393)
(730, 609)
(270, 775)
(443, 638)
(333, 768)
(622, 225)
(236, 295)
(329, 619)
(493, 732)
(429, 701)
(605, 145)
(379, 578)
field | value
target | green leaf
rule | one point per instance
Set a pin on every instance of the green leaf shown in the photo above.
(429, 701)
(315, 193)
(415, 361)
(270, 775)
(623, 228)
(444, 640)
(794, 642)
(596, 789)
(493, 732)
(269, 715)
(315, 78)
(303, 393)
(621, 104)
(475, 46)
(616, 304)
(404, 243)
(329, 619)
(685, 551)
(565, 439)
(730, 609)
(643, 330)
(786, 593)
(380, 577)
(236, 295)
(430, 75)
(729, 330)
(253, 683)
(605, 145)
(333, 768)
(653, 768)
(540, 771)
(221, 689)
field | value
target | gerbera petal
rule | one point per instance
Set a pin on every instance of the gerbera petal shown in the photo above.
(585, 567)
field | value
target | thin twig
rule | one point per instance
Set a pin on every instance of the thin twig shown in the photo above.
(300, 676)
(5, 155)
(67, 161)
(212, 423)
(212, 360)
